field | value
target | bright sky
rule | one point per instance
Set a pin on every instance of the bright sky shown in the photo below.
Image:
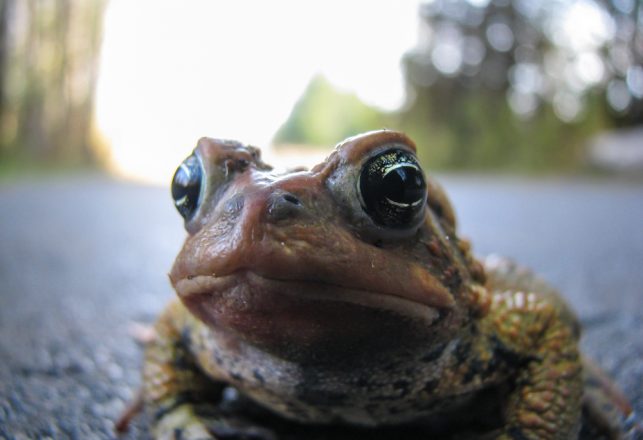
(175, 70)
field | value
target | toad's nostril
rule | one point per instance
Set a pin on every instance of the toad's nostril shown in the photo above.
(283, 206)
(291, 199)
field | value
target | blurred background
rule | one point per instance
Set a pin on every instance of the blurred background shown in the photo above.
(519, 85)
(529, 111)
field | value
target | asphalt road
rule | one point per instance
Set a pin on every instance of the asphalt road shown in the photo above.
(82, 258)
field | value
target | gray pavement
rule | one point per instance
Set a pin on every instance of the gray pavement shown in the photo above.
(82, 258)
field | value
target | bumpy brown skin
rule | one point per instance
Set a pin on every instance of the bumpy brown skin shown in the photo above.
(293, 295)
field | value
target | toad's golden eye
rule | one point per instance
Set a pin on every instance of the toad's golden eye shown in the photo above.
(186, 186)
(392, 189)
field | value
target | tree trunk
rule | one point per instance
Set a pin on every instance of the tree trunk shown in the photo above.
(4, 13)
(48, 78)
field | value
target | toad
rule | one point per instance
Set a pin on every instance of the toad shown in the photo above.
(340, 302)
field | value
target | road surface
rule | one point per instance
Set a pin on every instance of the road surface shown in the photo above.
(83, 258)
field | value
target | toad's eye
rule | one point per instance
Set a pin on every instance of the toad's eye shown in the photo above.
(392, 189)
(186, 186)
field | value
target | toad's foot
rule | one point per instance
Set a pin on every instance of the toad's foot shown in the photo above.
(202, 421)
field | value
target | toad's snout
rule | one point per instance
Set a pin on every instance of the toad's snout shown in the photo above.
(260, 223)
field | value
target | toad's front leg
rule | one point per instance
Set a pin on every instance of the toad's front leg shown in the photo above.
(181, 400)
(546, 402)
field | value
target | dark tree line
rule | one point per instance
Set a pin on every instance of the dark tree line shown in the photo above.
(514, 82)
(48, 68)
(543, 48)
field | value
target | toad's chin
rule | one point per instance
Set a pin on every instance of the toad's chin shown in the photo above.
(291, 315)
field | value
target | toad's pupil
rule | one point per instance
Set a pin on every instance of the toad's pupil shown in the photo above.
(392, 189)
(186, 186)
(403, 185)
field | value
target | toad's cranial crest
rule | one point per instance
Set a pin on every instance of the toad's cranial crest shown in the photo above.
(342, 299)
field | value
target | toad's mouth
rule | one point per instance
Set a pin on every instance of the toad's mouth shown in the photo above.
(307, 321)
(249, 291)
(266, 310)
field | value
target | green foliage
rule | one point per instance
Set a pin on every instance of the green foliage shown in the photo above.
(324, 116)
(478, 130)
(459, 128)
